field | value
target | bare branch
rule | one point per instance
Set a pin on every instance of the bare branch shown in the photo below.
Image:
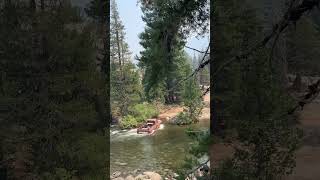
(207, 90)
(202, 65)
(197, 50)
(198, 167)
(313, 92)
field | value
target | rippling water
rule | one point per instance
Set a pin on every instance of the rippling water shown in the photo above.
(159, 152)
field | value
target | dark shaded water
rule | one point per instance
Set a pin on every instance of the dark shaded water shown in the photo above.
(164, 150)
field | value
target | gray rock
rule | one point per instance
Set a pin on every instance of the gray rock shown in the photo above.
(136, 171)
(116, 174)
(175, 175)
(121, 164)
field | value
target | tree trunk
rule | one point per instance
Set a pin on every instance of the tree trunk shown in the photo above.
(119, 53)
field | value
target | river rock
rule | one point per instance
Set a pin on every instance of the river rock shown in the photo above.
(130, 177)
(115, 174)
(142, 177)
(121, 164)
(118, 178)
(175, 175)
(136, 171)
(153, 175)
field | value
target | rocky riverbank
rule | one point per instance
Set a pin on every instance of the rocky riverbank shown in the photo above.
(139, 175)
(199, 172)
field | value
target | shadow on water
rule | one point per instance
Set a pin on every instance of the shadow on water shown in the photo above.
(159, 152)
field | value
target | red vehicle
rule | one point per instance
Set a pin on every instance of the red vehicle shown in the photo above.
(149, 126)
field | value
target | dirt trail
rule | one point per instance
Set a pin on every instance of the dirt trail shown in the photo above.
(173, 111)
(170, 113)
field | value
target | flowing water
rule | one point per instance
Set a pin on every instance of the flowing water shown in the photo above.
(164, 150)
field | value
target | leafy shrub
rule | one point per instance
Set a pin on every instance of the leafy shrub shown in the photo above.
(197, 151)
(226, 170)
(92, 152)
(141, 112)
(183, 118)
(59, 173)
(86, 153)
(138, 114)
(128, 122)
(189, 116)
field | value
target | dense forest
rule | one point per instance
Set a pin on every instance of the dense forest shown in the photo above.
(66, 76)
(160, 76)
(53, 105)
(261, 52)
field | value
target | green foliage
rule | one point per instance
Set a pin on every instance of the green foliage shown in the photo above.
(184, 118)
(202, 141)
(252, 100)
(163, 58)
(137, 114)
(50, 82)
(192, 100)
(126, 88)
(61, 174)
(125, 92)
(303, 47)
(92, 154)
(128, 122)
(144, 111)
(96, 9)
(227, 171)
(197, 150)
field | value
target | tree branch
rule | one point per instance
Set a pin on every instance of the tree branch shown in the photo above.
(292, 15)
(199, 166)
(207, 90)
(197, 50)
(314, 91)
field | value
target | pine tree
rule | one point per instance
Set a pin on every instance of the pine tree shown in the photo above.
(163, 41)
(49, 84)
(125, 83)
(253, 104)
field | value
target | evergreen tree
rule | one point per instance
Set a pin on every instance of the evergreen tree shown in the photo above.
(250, 100)
(49, 86)
(98, 10)
(125, 82)
(168, 24)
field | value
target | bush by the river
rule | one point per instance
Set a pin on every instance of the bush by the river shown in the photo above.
(143, 111)
(128, 122)
(188, 116)
(138, 114)
(183, 118)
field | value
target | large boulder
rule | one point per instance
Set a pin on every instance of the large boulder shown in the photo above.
(130, 177)
(153, 175)
(136, 171)
(142, 177)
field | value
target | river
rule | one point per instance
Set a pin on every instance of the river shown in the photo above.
(163, 151)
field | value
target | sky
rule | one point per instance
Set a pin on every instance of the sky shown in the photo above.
(130, 15)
